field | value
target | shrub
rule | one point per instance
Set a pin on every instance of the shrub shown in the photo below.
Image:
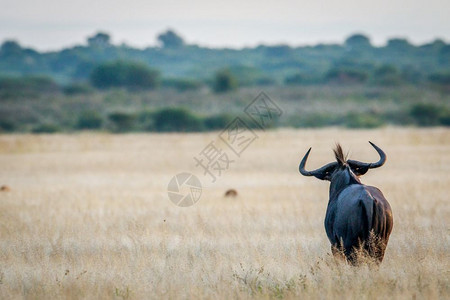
(7, 126)
(46, 128)
(177, 119)
(445, 119)
(77, 89)
(122, 122)
(89, 120)
(224, 81)
(426, 114)
(217, 122)
(131, 75)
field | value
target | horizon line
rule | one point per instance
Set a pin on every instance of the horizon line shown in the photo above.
(326, 42)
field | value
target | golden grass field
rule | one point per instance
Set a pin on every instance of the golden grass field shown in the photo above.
(88, 217)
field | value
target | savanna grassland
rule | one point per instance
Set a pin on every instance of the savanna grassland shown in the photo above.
(88, 216)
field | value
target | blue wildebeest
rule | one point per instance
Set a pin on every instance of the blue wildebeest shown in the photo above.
(358, 216)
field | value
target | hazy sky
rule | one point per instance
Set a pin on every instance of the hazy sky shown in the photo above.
(52, 24)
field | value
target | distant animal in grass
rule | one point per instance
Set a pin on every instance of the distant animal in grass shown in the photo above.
(5, 188)
(358, 216)
(231, 193)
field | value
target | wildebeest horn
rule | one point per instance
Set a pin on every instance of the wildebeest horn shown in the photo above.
(317, 173)
(370, 165)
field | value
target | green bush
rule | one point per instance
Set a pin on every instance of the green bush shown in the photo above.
(217, 122)
(224, 81)
(7, 126)
(46, 128)
(89, 120)
(178, 120)
(122, 122)
(426, 114)
(131, 75)
(445, 119)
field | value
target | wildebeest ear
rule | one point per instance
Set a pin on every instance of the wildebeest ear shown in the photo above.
(359, 170)
(325, 174)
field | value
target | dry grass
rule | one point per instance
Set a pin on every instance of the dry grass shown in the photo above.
(87, 216)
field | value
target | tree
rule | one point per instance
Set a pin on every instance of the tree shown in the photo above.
(170, 39)
(130, 75)
(444, 55)
(358, 42)
(177, 119)
(398, 44)
(224, 81)
(387, 75)
(122, 122)
(278, 50)
(99, 40)
(90, 120)
(425, 114)
(10, 48)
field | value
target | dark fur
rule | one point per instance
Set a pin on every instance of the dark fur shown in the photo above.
(358, 216)
(231, 193)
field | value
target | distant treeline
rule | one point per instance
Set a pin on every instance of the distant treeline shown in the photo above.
(39, 105)
(182, 66)
(184, 88)
(180, 119)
